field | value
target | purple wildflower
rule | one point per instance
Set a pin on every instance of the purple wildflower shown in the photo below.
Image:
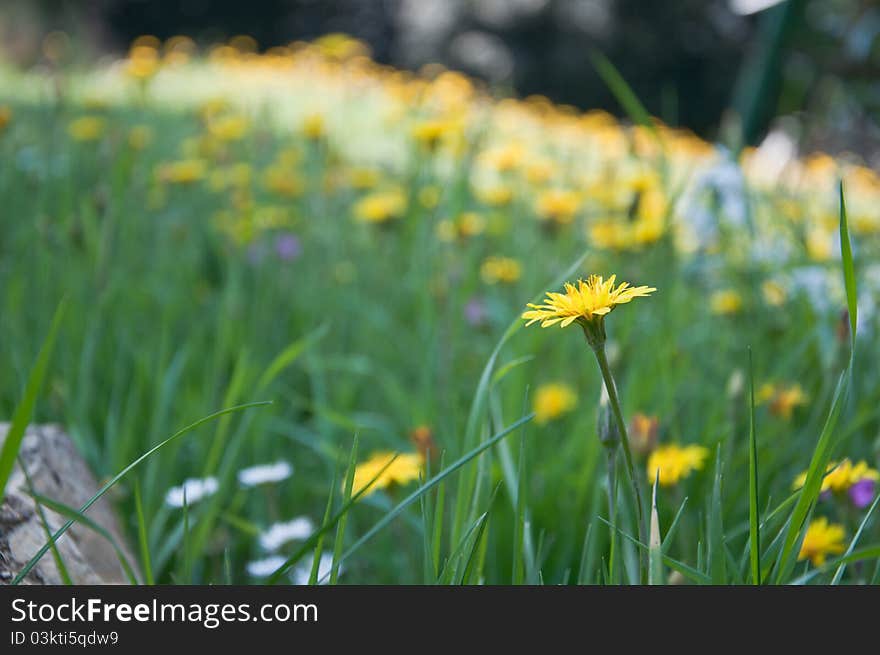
(288, 246)
(475, 312)
(862, 492)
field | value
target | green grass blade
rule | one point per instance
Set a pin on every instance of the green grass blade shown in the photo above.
(583, 568)
(754, 516)
(826, 442)
(146, 559)
(319, 542)
(849, 275)
(22, 415)
(433, 482)
(869, 553)
(315, 539)
(667, 540)
(622, 92)
(289, 355)
(340, 528)
(47, 530)
(116, 478)
(852, 544)
(717, 557)
(79, 517)
(688, 571)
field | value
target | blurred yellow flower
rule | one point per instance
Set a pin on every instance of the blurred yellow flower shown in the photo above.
(86, 128)
(340, 46)
(594, 297)
(228, 128)
(725, 302)
(314, 127)
(430, 133)
(283, 181)
(381, 206)
(185, 171)
(774, 293)
(609, 234)
(404, 468)
(364, 178)
(558, 205)
(495, 196)
(552, 401)
(674, 463)
(143, 62)
(500, 269)
(841, 476)
(504, 158)
(466, 225)
(822, 539)
(820, 244)
(782, 400)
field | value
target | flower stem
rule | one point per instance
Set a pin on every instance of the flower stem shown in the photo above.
(599, 350)
(612, 512)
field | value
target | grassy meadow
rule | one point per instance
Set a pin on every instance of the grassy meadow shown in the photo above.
(357, 245)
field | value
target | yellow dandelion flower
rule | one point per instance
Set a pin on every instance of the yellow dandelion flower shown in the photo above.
(500, 195)
(142, 62)
(404, 468)
(822, 539)
(591, 298)
(430, 133)
(773, 292)
(229, 128)
(500, 270)
(283, 181)
(313, 127)
(381, 206)
(674, 463)
(725, 302)
(362, 178)
(185, 171)
(466, 225)
(839, 477)
(339, 46)
(609, 235)
(505, 158)
(782, 400)
(86, 128)
(558, 205)
(552, 401)
(540, 171)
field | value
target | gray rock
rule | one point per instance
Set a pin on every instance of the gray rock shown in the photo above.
(57, 472)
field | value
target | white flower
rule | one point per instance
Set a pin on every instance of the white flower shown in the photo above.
(300, 574)
(280, 533)
(265, 473)
(194, 489)
(262, 568)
